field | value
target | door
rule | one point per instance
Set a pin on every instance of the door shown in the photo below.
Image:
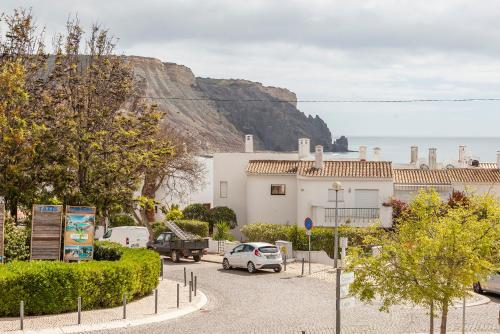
(158, 243)
(236, 254)
(366, 198)
(247, 255)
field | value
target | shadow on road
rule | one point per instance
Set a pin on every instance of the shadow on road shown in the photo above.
(244, 272)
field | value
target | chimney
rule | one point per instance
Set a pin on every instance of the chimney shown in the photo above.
(376, 153)
(498, 159)
(414, 155)
(304, 148)
(248, 144)
(362, 153)
(461, 154)
(432, 158)
(318, 162)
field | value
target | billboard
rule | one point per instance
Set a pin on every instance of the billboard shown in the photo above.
(46, 232)
(79, 233)
(2, 231)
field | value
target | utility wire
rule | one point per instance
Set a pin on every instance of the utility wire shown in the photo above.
(176, 98)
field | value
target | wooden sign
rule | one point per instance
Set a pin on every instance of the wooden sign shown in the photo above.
(46, 229)
(79, 233)
(2, 231)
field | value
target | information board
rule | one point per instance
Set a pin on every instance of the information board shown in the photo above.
(79, 233)
(46, 230)
(2, 231)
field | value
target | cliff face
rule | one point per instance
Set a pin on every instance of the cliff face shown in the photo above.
(217, 126)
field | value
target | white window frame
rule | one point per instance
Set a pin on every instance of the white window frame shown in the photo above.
(223, 189)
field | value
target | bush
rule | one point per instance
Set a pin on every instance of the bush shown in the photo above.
(174, 214)
(196, 211)
(53, 287)
(17, 241)
(196, 227)
(121, 220)
(107, 251)
(223, 214)
(321, 237)
(222, 231)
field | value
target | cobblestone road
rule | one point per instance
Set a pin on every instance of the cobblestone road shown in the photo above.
(281, 303)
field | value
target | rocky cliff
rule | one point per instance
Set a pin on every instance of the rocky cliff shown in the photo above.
(216, 113)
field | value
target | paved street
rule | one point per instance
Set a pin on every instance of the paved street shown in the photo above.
(281, 303)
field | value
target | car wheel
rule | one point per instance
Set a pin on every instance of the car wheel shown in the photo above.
(175, 256)
(251, 267)
(477, 287)
(225, 264)
(196, 258)
(277, 270)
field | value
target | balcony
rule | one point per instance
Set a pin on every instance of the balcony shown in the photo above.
(355, 216)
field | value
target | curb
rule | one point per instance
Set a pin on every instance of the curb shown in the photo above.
(116, 324)
(211, 261)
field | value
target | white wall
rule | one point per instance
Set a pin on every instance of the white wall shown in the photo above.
(266, 208)
(478, 188)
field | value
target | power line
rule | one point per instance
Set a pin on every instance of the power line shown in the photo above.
(174, 98)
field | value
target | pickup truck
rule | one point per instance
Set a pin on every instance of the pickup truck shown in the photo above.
(168, 244)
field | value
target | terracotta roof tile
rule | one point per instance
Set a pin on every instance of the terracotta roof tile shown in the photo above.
(347, 169)
(467, 175)
(421, 176)
(488, 165)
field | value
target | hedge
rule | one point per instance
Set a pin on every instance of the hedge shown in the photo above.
(321, 237)
(53, 287)
(196, 227)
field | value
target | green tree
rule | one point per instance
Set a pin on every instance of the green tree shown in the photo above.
(222, 214)
(434, 255)
(196, 211)
(174, 213)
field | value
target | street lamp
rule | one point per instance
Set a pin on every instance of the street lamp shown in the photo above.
(336, 186)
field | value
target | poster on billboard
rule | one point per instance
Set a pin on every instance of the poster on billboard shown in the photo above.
(79, 233)
(2, 231)
(46, 230)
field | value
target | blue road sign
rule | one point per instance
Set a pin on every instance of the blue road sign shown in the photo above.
(308, 223)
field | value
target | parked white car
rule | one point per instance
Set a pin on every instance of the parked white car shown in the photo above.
(128, 236)
(253, 256)
(492, 284)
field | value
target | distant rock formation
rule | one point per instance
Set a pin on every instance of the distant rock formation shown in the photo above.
(209, 114)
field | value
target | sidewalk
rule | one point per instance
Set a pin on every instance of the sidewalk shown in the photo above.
(139, 312)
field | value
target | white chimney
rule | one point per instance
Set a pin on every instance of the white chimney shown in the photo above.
(498, 159)
(432, 158)
(304, 148)
(248, 144)
(376, 153)
(461, 154)
(362, 153)
(318, 162)
(414, 155)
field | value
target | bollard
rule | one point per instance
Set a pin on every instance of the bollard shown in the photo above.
(125, 306)
(79, 310)
(161, 266)
(284, 262)
(178, 286)
(156, 301)
(302, 267)
(190, 290)
(21, 314)
(185, 278)
(192, 280)
(195, 283)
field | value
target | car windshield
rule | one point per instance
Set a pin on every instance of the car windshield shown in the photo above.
(107, 235)
(268, 249)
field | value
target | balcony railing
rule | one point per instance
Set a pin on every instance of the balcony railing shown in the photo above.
(352, 213)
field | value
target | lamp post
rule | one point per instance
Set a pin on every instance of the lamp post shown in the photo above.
(336, 186)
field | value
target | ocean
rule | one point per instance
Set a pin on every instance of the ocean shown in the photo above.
(397, 149)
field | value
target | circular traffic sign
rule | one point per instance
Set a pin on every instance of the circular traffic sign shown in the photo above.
(308, 223)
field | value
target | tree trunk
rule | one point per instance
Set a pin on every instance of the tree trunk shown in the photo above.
(444, 318)
(431, 318)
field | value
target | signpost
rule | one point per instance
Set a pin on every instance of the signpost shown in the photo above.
(2, 230)
(46, 232)
(79, 233)
(308, 223)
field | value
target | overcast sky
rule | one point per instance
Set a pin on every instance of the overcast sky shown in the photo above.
(323, 50)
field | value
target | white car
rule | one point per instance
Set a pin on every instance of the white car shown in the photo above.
(253, 256)
(491, 284)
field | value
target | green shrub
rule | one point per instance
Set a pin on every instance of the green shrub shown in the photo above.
(174, 213)
(53, 287)
(223, 213)
(222, 231)
(196, 227)
(121, 220)
(107, 251)
(321, 237)
(196, 211)
(16, 241)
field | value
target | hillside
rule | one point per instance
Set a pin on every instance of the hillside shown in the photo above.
(220, 125)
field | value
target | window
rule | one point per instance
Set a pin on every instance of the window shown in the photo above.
(107, 235)
(366, 198)
(331, 195)
(223, 189)
(238, 249)
(277, 189)
(160, 238)
(248, 248)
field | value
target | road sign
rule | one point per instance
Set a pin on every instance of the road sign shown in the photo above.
(308, 223)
